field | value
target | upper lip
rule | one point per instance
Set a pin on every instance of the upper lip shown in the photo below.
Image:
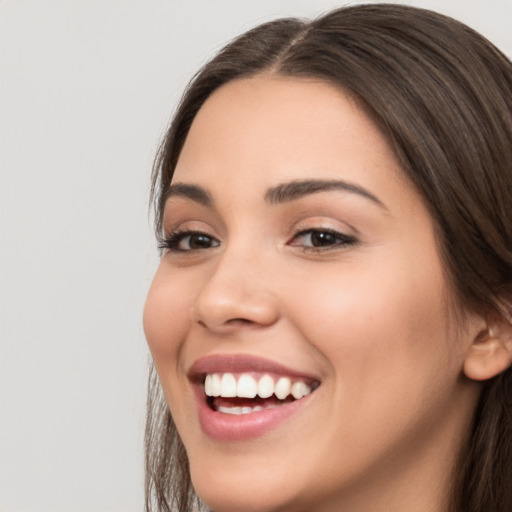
(240, 363)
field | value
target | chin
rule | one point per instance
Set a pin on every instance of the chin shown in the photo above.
(250, 492)
(243, 501)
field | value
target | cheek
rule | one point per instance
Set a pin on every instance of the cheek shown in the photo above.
(372, 323)
(166, 317)
(390, 359)
(166, 326)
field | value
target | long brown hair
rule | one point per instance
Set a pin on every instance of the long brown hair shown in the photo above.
(443, 95)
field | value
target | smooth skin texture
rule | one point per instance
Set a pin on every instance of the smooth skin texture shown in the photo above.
(364, 310)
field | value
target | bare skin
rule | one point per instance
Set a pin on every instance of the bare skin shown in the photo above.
(342, 281)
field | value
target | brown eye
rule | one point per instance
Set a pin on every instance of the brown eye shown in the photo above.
(321, 238)
(189, 241)
(196, 241)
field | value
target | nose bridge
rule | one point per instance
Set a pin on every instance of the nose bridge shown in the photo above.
(236, 290)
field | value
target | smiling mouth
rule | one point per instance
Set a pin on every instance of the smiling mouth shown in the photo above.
(247, 393)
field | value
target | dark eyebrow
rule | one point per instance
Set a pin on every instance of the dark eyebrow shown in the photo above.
(193, 192)
(300, 188)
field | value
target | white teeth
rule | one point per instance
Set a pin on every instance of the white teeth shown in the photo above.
(283, 387)
(216, 385)
(212, 385)
(237, 411)
(247, 387)
(266, 386)
(228, 385)
(300, 389)
(230, 410)
(208, 385)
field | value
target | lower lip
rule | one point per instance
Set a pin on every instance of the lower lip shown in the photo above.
(229, 427)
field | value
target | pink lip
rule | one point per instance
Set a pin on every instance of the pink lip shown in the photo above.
(226, 427)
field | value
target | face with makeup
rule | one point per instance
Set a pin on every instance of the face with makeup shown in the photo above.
(298, 319)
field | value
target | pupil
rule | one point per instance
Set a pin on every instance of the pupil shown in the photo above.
(199, 242)
(320, 238)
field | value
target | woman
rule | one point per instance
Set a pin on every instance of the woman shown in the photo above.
(331, 318)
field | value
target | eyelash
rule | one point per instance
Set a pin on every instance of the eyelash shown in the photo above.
(174, 239)
(335, 239)
(339, 240)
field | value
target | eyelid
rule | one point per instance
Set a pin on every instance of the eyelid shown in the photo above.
(187, 225)
(340, 239)
(172, 241)
(175, 234)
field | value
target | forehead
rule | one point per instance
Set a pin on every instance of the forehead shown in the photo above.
(271, 129)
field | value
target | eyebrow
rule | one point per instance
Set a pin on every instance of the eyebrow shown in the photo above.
(281, 193)
(300, 188)
(193, 192)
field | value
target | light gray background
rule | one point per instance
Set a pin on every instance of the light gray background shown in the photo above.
(86, 91)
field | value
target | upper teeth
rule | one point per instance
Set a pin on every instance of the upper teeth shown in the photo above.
(226, 385)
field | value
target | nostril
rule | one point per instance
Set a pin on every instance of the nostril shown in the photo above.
(231, 322)
(227, 326)
(238, 321)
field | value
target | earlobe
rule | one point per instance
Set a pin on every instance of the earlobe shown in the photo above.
(489, 354)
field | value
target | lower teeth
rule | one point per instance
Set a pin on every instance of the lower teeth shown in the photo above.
(238, 406)
(237, 411)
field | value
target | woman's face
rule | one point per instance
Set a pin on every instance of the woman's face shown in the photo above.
(300, 260)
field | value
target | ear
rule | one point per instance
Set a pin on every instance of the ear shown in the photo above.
(491, 352)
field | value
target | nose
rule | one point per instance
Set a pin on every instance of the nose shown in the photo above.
(235, 294)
